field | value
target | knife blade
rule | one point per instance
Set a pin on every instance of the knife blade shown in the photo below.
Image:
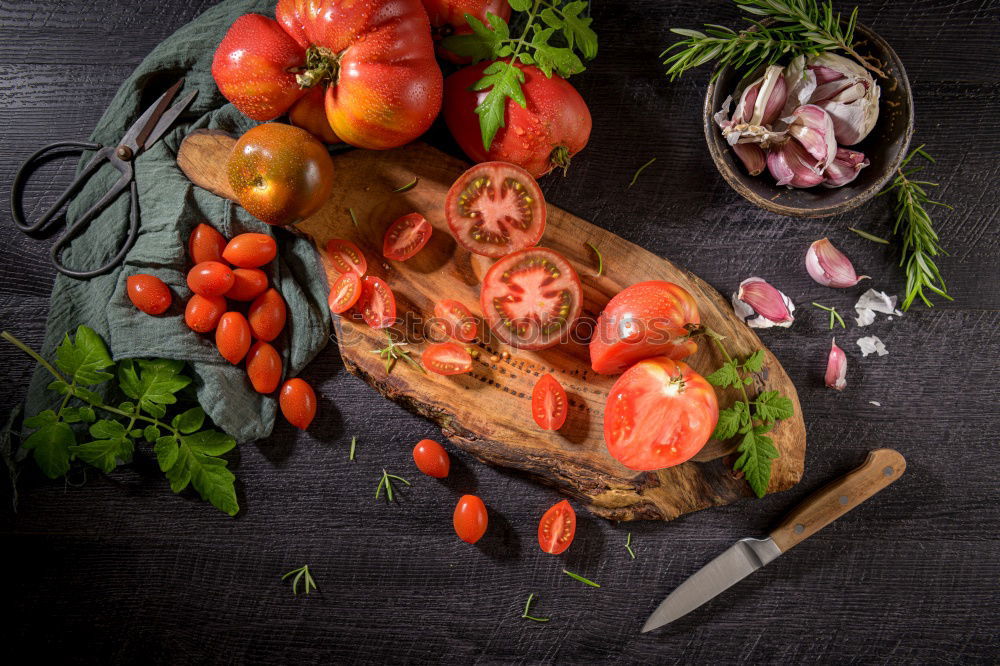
(881, 468)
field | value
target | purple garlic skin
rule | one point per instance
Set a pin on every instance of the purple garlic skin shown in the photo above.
(792, 165)
(846, 91)
(845, 168)
(813, 128)
(836, 368)
(829, 266)
(761, 305)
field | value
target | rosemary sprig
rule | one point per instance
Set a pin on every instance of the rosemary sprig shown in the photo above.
(354, 444)
(354, 218)
(302, 573)
(920, 243)
(527, 608)
(386, 483)
(628, 545)
(600, 259)
(872, 237)
(393, 352)
(834, 315)
(409, 186)
(585, 581)
(635, 176)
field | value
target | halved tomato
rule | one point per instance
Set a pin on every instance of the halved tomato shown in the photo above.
(377, 302)
(531, 298)
(659, 414)
(346, 256)
(446, 358)
(345, 292)
(548, 403)
(644, 320)
(495, 208)
(456, 319)
(557, 528)
(406, 236)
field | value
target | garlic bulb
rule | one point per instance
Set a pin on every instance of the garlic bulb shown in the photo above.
(758, 108)
(846, 91)
(845, 168)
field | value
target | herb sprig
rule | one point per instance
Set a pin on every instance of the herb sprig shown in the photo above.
(301, 574)
(835, 317)
(585, 581)
(187, 454)
(553, 36)
(386, 483)
(394, 352)
(527, 609)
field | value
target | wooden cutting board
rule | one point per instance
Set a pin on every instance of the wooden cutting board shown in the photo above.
(487, 412)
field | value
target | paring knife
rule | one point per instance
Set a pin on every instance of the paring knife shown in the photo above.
(882, 467)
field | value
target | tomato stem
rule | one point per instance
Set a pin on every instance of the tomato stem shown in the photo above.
(322, 66)
(560, 157)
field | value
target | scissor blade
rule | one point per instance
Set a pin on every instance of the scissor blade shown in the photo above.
(733, 565)
(168, 119)
(141, 128)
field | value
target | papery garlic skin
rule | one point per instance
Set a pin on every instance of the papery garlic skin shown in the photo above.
(813, 128)
(836, 368)
(829, 266)
(800, 83)
(760, 305)
(846, 91)
(790, 164)
(845, 168)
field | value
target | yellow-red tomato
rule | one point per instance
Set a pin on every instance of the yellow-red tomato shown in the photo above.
(298, 403)
(248, 284)
(148, 293)
(431, 458)
(250, 250)
(205, 244)
(263, 367)
(210, 278)
(267, 315)
(309, 113)
(232, 337)
(202, 313)
(470, 519)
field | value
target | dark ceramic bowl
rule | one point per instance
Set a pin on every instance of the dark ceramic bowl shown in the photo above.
(885, 146)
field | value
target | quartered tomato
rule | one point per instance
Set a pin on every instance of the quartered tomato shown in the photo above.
(205, 244)
(644, 320)
(470, 519)
(248, 284)
(345, 292)
(267, 315)
(557, 528)
(346, 256)
(250, 250)
(148, 293)
(659, 414)
(446, 358)
(210, 278)
(549, 406)
(531, 298)
(456, 319)
(406, 236)
(495, 208)
(377, 302)
(431, 458)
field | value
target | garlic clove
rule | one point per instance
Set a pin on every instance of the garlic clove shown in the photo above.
(829, 266)
(845, 168)
(762, 306)
(792, 165)
(846, 91)
(762, 100)
(836, 367)
(752, 156)
(800, 84)
(813, 128)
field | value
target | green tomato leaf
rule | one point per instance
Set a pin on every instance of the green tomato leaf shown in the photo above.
(214, 482)
(754, 362)
(105, 454)
(577, 30)
(483, 43)
(771, 406)
(504, 80)
(152, 383)
(730, 421)
(107, 429)
(210, 442)
(193, 464)
(71, 415)
(520, 5)
(756, 453)
(50, 446)
(84, 359)
(151, 433)
(87, 415)
(41, 419)
(87, 395)
(166, 450)
(179, 474)
(725, 376)
(191, 420)
(550, 18)
(59, 386)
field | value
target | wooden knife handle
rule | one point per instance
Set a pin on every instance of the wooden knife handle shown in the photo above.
(882, 467)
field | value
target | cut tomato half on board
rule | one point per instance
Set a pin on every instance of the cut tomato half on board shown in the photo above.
(346, 256)
(659, 413)
(345, 292)
(456, 319)
(406, 236)
(557, 528)
(548, 403)
(377, 302)
(495, 208)
(531, 298)
(446, 358)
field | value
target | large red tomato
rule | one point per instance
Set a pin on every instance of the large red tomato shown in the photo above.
(374, 57)
(448, 18)
(644, 320)
(659, 414)
(553, 126)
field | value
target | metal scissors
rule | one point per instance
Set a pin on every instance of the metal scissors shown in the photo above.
(143, 133)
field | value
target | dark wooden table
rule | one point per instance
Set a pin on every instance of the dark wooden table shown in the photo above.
(122, 571)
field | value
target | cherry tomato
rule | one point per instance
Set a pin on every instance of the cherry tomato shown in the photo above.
(250, 250)
(495, 208)
(248, 284)
(552, 126)
(280, 173)
(377, 302)
(470, 519)
(345, 292)
(557, 528)
(263, 367)
(659, 414)
(446, 358)
(448, 18)
(458, 322)
(406, 236)
(346, 256)
(298, 403)
(202, 313)
(309, 113)
(549, 405)
(232, 337)
(148, 293)
(267, 315)
(210, 278)
(205, 244)
(531, 298)
(431, 458)
(644, 320)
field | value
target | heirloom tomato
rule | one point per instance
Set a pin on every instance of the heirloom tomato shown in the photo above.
(148, 293)
(557, 528)
(309, 113)
(448, 18)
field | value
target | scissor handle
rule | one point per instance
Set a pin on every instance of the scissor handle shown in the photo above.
(17, 189)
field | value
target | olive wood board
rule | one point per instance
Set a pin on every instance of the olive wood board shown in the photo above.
(486, 412)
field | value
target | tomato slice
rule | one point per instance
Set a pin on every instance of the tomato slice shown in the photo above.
(406, 236)
(346, 256)
(659, 414)
(345, 292)
(644, 320)
(531, 298)
(446, 358)
(495, 208)
(548, 403)
(557, 528)
(377, 302)
(458, 322)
